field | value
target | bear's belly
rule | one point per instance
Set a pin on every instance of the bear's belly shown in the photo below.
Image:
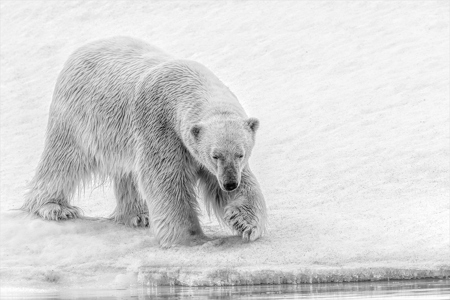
(109, 149)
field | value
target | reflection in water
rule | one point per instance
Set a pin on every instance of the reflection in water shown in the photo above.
(413, 289)
(401, 289)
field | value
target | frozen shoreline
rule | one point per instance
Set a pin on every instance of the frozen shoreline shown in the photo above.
(151, 276)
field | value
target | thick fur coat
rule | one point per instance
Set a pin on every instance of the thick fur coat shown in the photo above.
(163, 129)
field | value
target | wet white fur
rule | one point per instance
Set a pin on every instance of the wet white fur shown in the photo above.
(125, 110)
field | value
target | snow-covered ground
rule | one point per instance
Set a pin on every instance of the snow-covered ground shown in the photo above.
(352, 153)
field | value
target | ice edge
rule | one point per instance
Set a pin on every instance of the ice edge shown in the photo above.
(182, 276)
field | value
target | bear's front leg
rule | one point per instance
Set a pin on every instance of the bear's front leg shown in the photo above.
(246, 213)
(167, 183)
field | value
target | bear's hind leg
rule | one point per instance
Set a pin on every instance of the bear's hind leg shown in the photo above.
(60, 170)
(131, 209)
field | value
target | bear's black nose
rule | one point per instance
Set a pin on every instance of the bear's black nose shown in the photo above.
(229, 186)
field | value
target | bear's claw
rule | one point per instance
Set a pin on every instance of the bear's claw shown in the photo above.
(251, 234)
(139, 221)
(242, 220)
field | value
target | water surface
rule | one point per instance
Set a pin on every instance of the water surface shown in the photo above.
(407, 289)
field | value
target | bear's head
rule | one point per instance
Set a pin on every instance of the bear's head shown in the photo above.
(224, 146)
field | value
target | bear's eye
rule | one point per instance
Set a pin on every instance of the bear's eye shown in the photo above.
(216, 157)
(240, 155)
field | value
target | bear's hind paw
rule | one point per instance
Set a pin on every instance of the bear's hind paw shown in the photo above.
(55, 211)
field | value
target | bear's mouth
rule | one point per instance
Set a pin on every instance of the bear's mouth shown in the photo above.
(229, 186)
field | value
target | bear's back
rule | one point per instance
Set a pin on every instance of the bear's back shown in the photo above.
(94, 91)
(103, 66)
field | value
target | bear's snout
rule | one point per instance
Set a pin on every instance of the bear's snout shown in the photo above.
(229, 178)
(231, 185)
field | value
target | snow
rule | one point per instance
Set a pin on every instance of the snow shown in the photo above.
(352, 153)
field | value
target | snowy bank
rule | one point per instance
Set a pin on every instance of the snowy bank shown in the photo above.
(352, 153)
(279, 275)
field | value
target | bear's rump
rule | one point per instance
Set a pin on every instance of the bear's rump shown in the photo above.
(93, 95)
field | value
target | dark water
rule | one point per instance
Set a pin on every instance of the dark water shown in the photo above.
(411, 289)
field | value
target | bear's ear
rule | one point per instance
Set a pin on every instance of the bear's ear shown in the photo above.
(195, 131)
(253, 124)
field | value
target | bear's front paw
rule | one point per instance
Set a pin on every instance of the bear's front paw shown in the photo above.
(243, 220)
(139, 220)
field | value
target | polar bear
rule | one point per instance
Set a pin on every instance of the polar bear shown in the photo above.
(162, 129)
